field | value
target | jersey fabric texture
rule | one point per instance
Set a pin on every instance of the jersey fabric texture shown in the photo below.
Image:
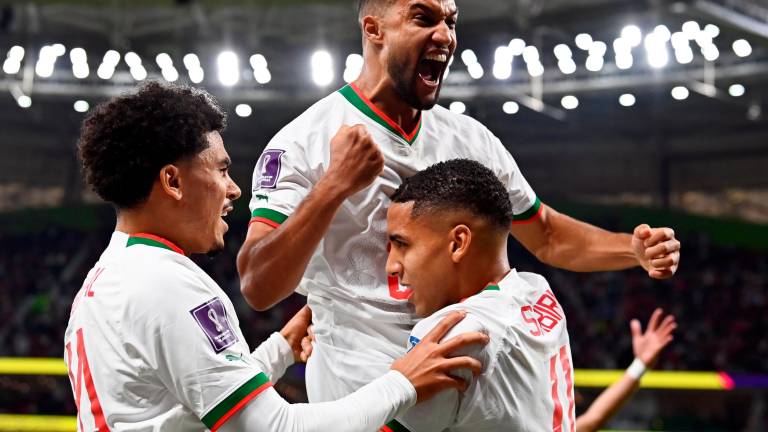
(527, 380)
(153, 343)
(361, 317)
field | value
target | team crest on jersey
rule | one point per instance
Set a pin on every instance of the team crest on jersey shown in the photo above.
(268, 169)
(211, 316)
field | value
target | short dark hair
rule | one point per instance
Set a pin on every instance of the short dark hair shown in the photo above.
(457, 184)
(367, 7)
(126, 141)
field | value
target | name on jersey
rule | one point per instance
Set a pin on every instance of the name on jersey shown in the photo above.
(543, 315)
(212, 318)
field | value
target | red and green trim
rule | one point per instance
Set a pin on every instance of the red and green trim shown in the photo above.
(492, 288)
(354, 96)
(394, 426)
(153, 240)
(235, 401)
(529, 215)
(268, 216)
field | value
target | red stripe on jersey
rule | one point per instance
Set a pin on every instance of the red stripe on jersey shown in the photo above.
(161, 240)
(385, 429)
(395, 126)
(98, 414)
(566, 364)
(264, 220)
(75, 384)
(239, 405)
(557, 415)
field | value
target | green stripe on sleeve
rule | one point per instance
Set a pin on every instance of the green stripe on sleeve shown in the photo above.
(274, 216)
(492, 288)
(530, 213)
(396, 426)
(230, 402)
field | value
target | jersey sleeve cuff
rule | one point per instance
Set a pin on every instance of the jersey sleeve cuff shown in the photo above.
(236, 400)
(267, 216)
(529, 215)
(394, 426)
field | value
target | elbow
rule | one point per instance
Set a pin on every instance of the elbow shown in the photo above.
(249, 285)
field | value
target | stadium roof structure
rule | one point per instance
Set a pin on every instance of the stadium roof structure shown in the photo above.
(682, 125)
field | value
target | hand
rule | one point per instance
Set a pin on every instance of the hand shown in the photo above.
(296, 330)
(647, 346)
(306, 344)
(657, 250)
(355, 160)
(428, 364)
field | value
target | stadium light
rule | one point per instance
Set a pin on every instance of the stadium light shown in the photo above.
(624, 61)
(632, 35)
(712, 30)
(583, 41)
(530, 54)
(569, 102)
(510, 107)
(81, 106)
(458, 107)
(662, 32)
(742, 48)
(79, 63)
(194, 69)
(656, 51)
(563, 51)
(684, 55)
(691, 29)
(170, 74)
(196, 75)
(710, 52)
(516, 46)
(594, 63)
(680, 93)
(322, 68)
(229, 68)
(353, 67)
(567, 66)
(736, 90)
(138, 72)
(24, 101)
(468, 57)
(243, 110)
(108, 63)
(627, 100)
(476, 71)
(132, 59)
(535, 69)
(47, 59)
(502, 65)
(598, 48)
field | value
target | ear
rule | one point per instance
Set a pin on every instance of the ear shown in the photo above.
(170, 181)
(461, 238)
(371, 26)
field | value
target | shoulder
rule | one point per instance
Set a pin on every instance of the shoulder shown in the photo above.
(450, 119)
(318, 117)
(473, 322)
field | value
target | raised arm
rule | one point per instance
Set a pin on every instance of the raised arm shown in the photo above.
(272, 260)
(647, 347)
(561, 241)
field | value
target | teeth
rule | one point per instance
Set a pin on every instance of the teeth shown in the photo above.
(442, 58)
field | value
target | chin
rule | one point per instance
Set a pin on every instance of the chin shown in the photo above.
(216, 249)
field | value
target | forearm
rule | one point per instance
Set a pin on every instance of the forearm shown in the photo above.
(567, 243)
(606, 405)
(274, 355)
(271, 267)
(364, 410)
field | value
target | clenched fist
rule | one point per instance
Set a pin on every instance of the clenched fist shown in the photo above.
(657, 250)
(355, 160)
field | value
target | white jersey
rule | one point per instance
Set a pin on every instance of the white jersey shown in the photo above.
(154, 344)
(361, 316)
(527, 380)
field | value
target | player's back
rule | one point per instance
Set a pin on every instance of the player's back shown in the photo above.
(527, 381)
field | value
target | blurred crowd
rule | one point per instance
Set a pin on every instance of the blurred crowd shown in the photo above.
(719, 297)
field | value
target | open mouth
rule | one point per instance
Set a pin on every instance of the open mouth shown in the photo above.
(431, 68)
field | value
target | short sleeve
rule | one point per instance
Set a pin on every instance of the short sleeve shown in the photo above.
(193, 343)
(422, 418)
(281, 181)
(525, 203)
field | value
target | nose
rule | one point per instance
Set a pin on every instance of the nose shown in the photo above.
(393, 267)
(443, 35)
(233, 191)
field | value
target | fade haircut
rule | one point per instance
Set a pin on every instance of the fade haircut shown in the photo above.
(457, 184)
(126, 141)
(372, 7)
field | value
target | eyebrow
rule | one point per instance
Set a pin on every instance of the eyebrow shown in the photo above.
(426, 9)
(226, 162)
(397, 238)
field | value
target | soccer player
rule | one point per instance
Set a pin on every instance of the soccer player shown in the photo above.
(448, 229)
(153, 343)
(647, 347)
(321, 190)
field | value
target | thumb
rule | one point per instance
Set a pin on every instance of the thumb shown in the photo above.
(634, 327)
(642, 231)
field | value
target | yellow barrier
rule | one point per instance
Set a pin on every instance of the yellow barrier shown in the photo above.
(32, 366)
(34, 423)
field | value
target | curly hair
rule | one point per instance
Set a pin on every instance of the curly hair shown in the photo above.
(457, 184)
(126, 141)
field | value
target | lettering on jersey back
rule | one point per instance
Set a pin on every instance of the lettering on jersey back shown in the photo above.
(211, 316)
(543, 315)
(268, 169)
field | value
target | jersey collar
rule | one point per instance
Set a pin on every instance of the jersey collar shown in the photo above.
(354, 96)
(153, 240)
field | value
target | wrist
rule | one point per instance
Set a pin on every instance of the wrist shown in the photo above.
(637, 369)
(331, 190)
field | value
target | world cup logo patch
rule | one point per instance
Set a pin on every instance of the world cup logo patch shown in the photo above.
(268, 169)
(211, 316)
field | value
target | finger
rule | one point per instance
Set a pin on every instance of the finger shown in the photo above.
(653, 323)
(636, 328)
(463, 362)
(442, 328)
(659, 235)
(462, 340)
(311, 332)
(666, 262)
(642, 231)
(662, 273)
(450, 381)
(662, 249)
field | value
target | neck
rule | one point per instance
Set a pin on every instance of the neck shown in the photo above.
(379, 89)
(146, 221)
(482, 271)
